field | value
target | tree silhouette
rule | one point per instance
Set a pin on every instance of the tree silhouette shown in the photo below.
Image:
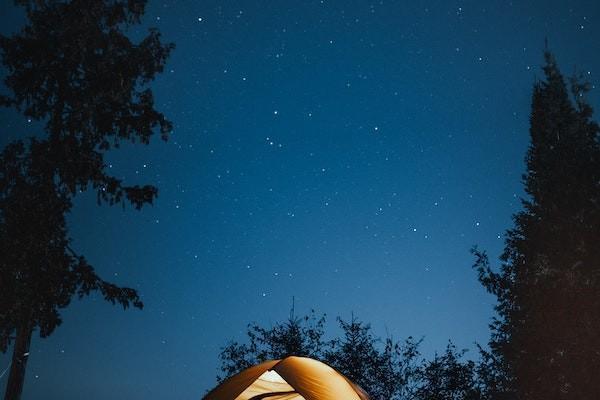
(73, 69)
(296, 336)
(384, 369)
(447, 377)
(384, 372)
(39, 272)
(493, 374)
(545, 340)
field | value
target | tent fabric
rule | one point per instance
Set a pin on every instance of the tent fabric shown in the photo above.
(232, 387)
(292, 378)
(268, 383)
(360, 391)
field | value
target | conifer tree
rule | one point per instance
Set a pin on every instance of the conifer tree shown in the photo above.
(384, 369)
(381, 369)
(73, 69)
(448, 377)
(546, 337)
(298, 336)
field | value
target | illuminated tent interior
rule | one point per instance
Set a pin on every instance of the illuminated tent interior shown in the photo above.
(291, 378)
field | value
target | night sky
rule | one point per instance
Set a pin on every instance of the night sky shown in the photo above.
(345, 153)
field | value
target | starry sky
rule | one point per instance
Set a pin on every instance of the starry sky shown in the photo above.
(344, 153)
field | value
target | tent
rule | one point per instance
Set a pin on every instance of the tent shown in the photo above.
(291, 378)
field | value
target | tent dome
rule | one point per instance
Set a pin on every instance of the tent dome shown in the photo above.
(291, 378)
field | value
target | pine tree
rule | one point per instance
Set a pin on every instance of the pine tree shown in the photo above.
(39, 271)
(448, 377)
(384, 369)
(298, 336)
(73, 69)
(358, 354)
(546, 337)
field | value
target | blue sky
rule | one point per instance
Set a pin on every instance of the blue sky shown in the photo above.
(348, 154)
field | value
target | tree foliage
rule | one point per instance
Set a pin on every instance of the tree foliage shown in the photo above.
(545, 339)
(296, 336)
(385, 369)
(447, 377)
(73, 69)
(39, 271)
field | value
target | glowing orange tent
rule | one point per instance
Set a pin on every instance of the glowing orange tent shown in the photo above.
(292, 378)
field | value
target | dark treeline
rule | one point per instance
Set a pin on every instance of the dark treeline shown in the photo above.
(73, 69)
(545, 337)
(384, 368)
(545, 341)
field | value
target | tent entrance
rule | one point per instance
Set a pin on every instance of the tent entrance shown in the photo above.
(270, 386)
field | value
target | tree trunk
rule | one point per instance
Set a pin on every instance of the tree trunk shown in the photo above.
(14, 387)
